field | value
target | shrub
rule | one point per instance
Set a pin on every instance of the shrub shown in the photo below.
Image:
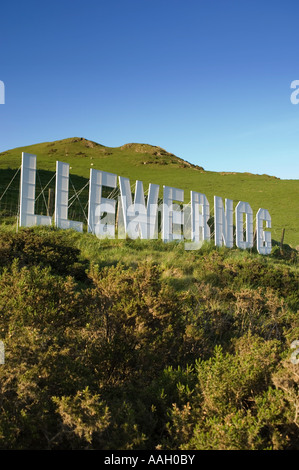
(43, 249)
(178, 350)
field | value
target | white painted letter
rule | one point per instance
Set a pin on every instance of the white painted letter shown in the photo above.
(200, 214)
(244, 208)
(27, 197)
(98, 205)
(138, 219)
(263, 239)
(62, 199)
(172, 216)
(223, 221)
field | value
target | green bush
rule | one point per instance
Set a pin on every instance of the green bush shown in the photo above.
(44, 249)
(179, 350)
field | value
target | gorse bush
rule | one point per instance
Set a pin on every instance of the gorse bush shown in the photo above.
(169, 350)
(31, 248)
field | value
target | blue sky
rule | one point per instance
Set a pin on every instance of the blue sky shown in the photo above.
(208, 80)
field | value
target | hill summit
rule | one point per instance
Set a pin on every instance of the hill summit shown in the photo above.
(72, 147)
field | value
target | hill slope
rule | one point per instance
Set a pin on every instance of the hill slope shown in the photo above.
(152, 164)
(122, 344)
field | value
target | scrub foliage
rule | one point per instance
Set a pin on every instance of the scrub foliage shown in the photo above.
(122, 344)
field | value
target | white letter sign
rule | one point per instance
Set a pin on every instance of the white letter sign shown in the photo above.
(139, 219)
(241, 209)
(27, 196)
(172, 216)
(263, 239)
(62, 199)
(223, 222)
(99, 205)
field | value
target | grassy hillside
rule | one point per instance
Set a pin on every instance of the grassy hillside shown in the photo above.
(135, 344)
(122, 344)
(152, 164)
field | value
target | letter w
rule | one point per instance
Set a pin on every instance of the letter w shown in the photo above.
(138, 219)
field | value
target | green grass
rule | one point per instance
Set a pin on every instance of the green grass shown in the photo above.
(154, 165)
(179, 266)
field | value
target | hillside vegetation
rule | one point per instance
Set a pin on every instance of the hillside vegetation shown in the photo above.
(121, 344)
(150, 164)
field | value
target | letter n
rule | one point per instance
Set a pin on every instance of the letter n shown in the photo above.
(223, 221)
